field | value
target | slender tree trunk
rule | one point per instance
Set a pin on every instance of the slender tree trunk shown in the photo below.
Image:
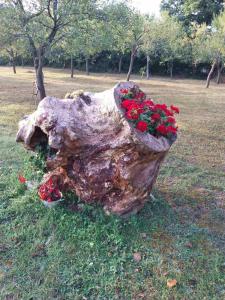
(210, 74)
(71, 67)
(38, 65)
(148, 67)
(194, 69)
(132, 57)
(14, 65)
(64, 64)
(120, 64)
(12, 56)
(87, 66)
(171, 70)
(219, 72)
(22, 62)
(78, 64)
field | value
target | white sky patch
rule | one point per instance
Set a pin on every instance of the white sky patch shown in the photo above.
(151, 7)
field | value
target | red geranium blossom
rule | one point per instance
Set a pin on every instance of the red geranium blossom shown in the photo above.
(148, 103)
(124, 91)
(169, 113)
(162, 107)
(162, 129)
(171, 129)
(174, 108)
(127, 103)
(22, 179)
(146, 116)
(134, 111)
(49, 191)
(171, 120)
(156, 117)
(140, 95)
(142, 126)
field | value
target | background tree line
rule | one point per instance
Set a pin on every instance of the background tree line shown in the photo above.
(188, 39)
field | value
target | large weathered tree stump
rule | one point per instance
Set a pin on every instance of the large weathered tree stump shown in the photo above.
(98, 154)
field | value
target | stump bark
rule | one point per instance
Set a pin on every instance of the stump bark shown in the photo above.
(98, 154)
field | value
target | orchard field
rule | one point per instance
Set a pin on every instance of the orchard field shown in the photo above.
(65, 254)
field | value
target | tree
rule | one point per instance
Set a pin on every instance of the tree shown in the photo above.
(165, 40)
(118, 19)
(209, 46)
(135, 35)
(9, 42)
(88, 38)
(173, 40)
(199, 11)
(42, 23)
(151, 43)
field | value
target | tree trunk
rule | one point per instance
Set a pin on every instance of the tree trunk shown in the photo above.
(87, 66)
(219, 72)
(22, 62)
(12, 56)
(99, 155)
(132, 57)
(171, 69)
(210, 74)
(64, 64)
(38, 65)
(194, 69)
(14, 65)
(148, 67)
(71, 67)
(120, 63)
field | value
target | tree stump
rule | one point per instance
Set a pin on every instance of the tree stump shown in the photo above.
(98, 154)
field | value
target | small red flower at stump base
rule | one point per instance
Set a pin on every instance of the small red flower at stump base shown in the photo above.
(49, 193)
(108, 146)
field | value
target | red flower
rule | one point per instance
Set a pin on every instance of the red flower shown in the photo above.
(174, 108)
(124, 91)
(142, 126)
(171, 129)
(162, 107)
(22, 179)
(169, 113)
(162, 129)
(48, 191)
(43, 192)
(156, 117)
(140, 95)
(127, 103)
(171, 120)
(134, 111)
(148, 103)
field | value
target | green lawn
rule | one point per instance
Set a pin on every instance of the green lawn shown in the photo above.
(65, 254)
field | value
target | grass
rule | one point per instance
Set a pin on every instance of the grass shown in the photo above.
(62, 254)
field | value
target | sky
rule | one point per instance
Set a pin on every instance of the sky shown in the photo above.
(147, 6)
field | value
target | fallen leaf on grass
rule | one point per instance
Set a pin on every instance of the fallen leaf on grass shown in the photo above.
(137, 256)
(171, 283)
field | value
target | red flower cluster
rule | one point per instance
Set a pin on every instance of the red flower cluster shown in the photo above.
(146, 116)
(49, 191)
(22, 179)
